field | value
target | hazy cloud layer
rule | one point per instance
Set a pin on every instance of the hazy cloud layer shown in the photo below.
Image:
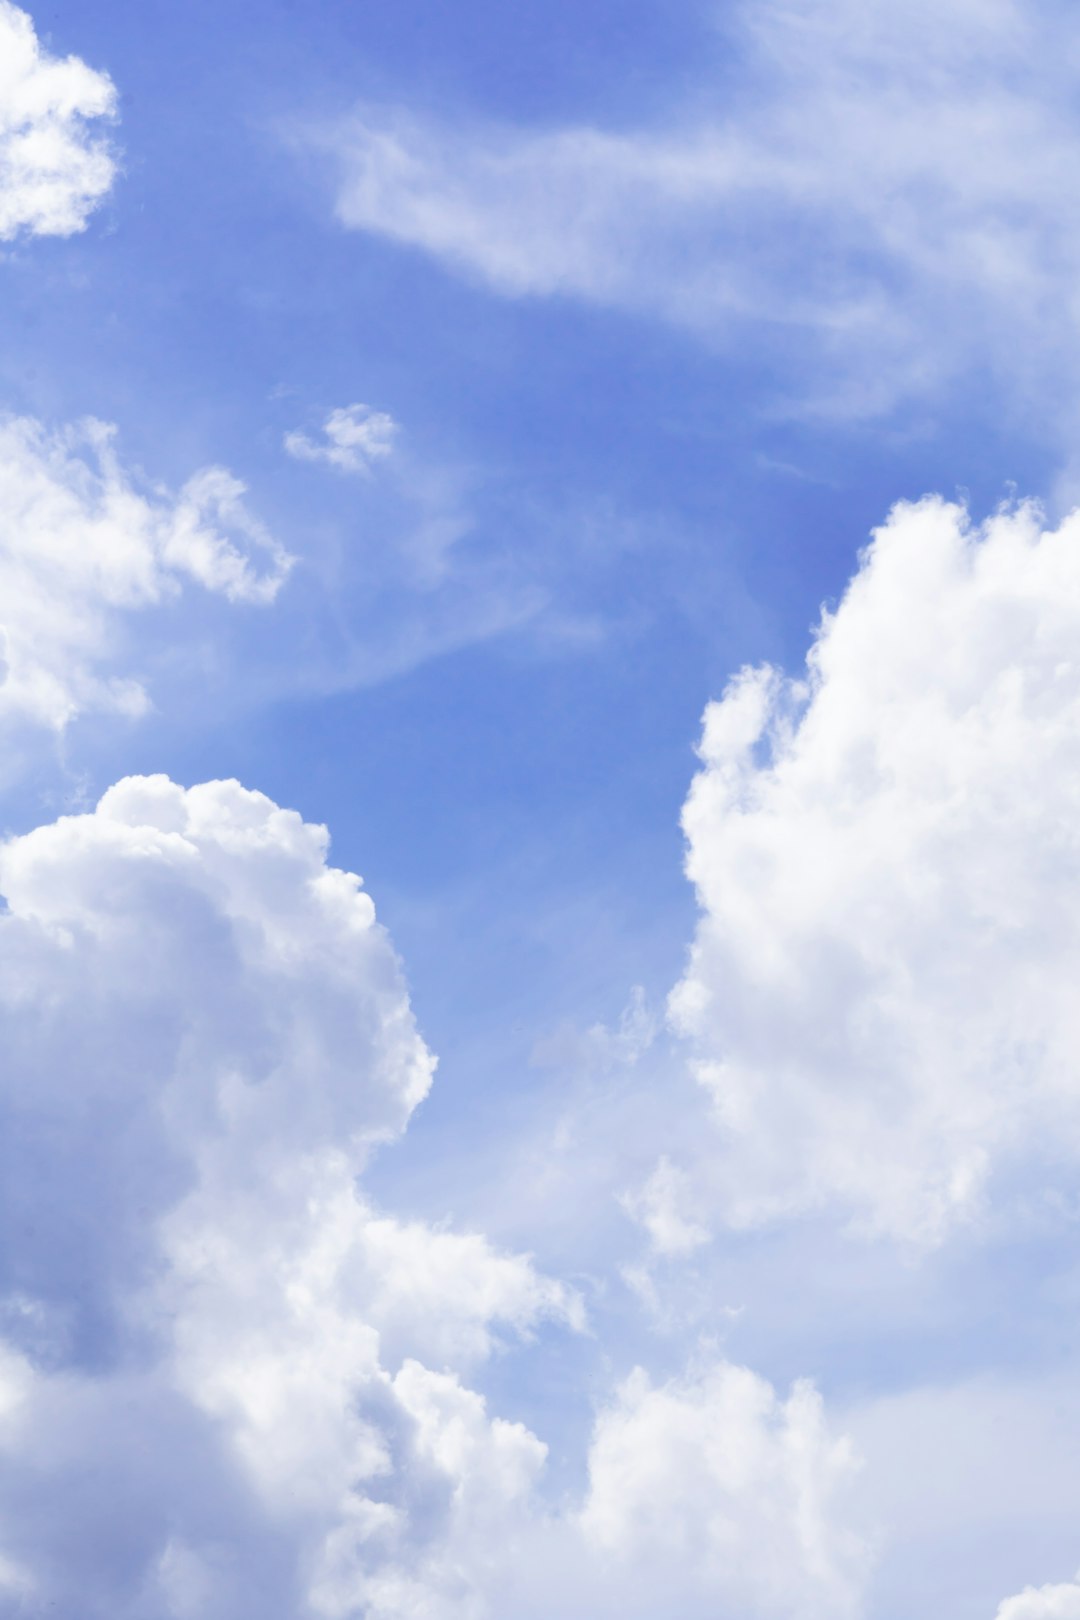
(55, 165)
(84, 544)
(881, 992)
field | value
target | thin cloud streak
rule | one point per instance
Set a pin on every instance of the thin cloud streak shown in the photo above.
(891, 190)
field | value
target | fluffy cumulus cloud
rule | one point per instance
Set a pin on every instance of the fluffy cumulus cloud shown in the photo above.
(231, 1386)
(54, 167)
(352, 439)
(713, 1477)
(895, 181)
(881, 991)
(1044, 1603)
(206, 1031)
(83, 545)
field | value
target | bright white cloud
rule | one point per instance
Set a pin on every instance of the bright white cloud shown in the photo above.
(54, 167)
(714, 1492)
(229, 1386)
(1043, 1603)
(206, 1031)
(83, 546)
(352, 438)
(707, 1496)
(881, 992)
(897, 181)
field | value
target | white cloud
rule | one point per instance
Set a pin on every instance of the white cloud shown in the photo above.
(707, 1496)
(206, 1032)
(662, 1206)
(83, 545)
(896, 181)
(881, 992)
(54, 170)
(231, 1387)
(1043, 1603)
(353, 438)
(713, 1477)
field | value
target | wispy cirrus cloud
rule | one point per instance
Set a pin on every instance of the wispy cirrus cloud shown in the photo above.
(890, 187)
(85, 544)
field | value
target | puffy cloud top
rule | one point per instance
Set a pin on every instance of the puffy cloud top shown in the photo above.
(1043, 1603)
(53, 169)
(185, 984)
(206, 1031)
(713, 1476)
(887, 857)
(229, 1386)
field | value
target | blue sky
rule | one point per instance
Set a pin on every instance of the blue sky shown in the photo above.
(486, 389)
